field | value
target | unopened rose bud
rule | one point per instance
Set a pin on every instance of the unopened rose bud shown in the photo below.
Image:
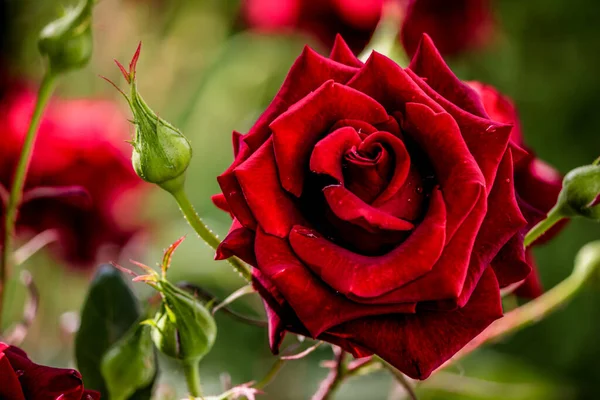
(130, 364)
(161, 153)
(581, 193)
(67, 41)
(183, 328)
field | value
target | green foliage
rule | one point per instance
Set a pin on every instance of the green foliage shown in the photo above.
(109, 312)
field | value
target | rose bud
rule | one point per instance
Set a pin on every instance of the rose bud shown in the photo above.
(581, 193)
(183, 328)
(161, 153)
(130, 364)
(67, 41)
(378, 208)
(22, 379)
(80, 183)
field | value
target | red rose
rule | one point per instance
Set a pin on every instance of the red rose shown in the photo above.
(355, 20)
(537, 184)
(455, 26)
(377, 205)
(80, 143)
(21, 379)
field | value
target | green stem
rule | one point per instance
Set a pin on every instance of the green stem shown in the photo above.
(553, 217)
(204, 232)
(271, 374)
(191, 370)
(18, 182)
(385, 38)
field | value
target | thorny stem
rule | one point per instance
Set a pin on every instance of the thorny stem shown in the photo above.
(204, 232)
(18, 182)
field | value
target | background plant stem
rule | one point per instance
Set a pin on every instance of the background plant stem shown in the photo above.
(16, 192)
(205, 233)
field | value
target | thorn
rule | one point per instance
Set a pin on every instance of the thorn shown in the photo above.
(134, 60)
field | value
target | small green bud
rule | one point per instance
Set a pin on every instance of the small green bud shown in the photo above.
(67, 41)
(130, 364)
(183, 328)
(580, 193)
(161, 154)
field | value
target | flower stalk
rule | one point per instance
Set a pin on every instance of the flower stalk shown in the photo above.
(194, 220)
(16, 191)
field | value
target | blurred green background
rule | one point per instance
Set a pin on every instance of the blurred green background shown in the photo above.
(207, 77)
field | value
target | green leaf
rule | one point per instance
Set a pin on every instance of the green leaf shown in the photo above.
(110, 309)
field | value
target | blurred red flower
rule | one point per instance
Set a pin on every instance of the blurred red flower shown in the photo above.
(21, 379)
(454, 26)
(537, 184)
(80, 148)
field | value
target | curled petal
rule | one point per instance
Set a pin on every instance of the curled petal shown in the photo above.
(239, 242)
(439, 136)
(418, 344)
(272, 207)
(309, 72)
(341, 53)
(430, 65)
(365, 277)
(349, 207)
(296, 131)
(324, 307)
(328, 153)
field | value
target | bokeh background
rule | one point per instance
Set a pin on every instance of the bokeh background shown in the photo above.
(203, 73)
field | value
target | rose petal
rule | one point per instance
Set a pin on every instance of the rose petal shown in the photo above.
(10, 387)
(309, 72)
(418, 344)
(348, 207)
(440, 137)
(323, 308)
(401, 158)
(296, 131)
(532, 285)
(273, 208)
(390, 85)
(364, 277)
(328, 153)
(220, 202)
(428, 64)
(446, 278)
(510, 264)
(502, 221)
(486, 139)
(233, 192)
(341, 53)
(239, 242)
